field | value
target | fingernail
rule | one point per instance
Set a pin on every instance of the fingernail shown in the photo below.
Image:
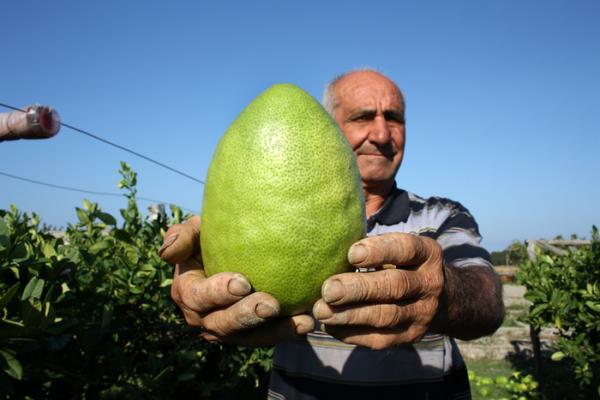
(168, 242)
(321, 312)
(357, 254)
(333, 290)
(303, 327)
(264, 310)
(238, 286)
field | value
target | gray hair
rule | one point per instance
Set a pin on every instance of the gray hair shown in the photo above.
(330, 101)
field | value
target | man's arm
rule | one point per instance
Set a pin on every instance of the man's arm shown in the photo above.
(471, 303)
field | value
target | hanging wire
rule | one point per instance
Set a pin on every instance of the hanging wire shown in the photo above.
(135, 153)
(73, 189)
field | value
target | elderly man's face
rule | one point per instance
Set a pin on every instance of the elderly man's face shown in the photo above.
(370, 111)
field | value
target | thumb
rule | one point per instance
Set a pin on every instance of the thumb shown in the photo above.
(182, 242)
(400, 249)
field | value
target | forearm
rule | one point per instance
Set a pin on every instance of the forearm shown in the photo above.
(471, 305)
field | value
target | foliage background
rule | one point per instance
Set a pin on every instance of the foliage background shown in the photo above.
(88, 315)
(565, 294)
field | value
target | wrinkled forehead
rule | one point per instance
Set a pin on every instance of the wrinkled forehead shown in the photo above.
(368, 91)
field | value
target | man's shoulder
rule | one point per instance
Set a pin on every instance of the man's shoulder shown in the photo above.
(418, 203)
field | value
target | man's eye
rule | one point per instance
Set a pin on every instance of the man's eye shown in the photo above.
(362, 117)
(394, 118)
(395, 121)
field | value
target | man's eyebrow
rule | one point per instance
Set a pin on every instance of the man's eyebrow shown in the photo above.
(394, 115)
(362, 113)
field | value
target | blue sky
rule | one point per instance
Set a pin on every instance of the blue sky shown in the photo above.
(502, 96)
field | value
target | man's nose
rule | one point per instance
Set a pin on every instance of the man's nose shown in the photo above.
(380, 131)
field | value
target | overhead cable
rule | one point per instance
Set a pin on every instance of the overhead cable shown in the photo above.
(73, 189)
(135, 153)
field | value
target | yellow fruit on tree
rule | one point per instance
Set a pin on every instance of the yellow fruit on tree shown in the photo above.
(283, 200)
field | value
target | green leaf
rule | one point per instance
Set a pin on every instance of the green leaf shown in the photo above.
(31, 314)
(48, 250)
(132, 255)
(166, 282)
(99, 246)
(10, 293)
(86, 204)
(4, 236)
(538, 309)
(558, 322)
(34, 288)
(64, 287)
(593, 306)
(557, 356)
(82, 215)
(135, 289)
(16, 272)
(19, 253)
(10, 364)
(163, 373)
(107, 218)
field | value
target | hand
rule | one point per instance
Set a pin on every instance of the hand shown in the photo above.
(223, 305)
(395, 304)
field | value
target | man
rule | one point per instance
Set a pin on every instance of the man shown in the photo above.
(386, 331)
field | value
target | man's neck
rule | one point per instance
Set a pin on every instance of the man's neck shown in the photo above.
(375, 195)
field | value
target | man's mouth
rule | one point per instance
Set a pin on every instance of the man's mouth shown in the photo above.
(386, 151)
(388, 156)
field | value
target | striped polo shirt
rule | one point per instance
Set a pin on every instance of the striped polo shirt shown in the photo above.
(319, 366)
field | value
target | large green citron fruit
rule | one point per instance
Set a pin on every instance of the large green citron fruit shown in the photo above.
(283, 200)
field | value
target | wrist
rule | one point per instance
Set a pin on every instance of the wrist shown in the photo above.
(440, 319)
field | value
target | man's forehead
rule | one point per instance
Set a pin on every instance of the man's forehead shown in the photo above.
(368, 92)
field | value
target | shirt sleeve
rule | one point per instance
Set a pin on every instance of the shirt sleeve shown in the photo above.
(460, 239)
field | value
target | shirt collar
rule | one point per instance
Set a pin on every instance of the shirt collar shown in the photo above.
(395, 209)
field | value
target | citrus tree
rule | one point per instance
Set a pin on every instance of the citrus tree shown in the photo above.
(89, 314)
(565, 294)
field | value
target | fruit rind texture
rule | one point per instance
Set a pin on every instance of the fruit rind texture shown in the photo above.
(283, 199)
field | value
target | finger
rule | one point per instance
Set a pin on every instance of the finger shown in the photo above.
(384, 286)
(274, 331)
(249, 312)
(182, 241)
(192, 270)
(200, 294)
(376, 315)
(401, 249)
(192, 318)
(377, 339)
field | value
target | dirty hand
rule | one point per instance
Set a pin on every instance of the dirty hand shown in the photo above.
(393, 305)
(224, 304)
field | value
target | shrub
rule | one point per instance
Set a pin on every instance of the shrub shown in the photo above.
(89, 315)
(565, 294)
